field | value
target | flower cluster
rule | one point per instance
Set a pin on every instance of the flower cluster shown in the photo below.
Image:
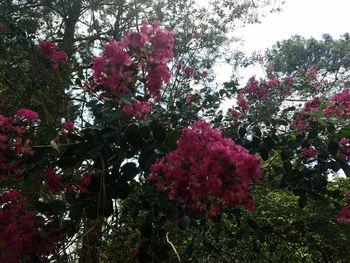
(82, 186)
(68, 126)
(344, 215)
(139, 109)
(20, 231)
(344, 149)
(307, 115)
(340, 104)
(146, 51)
(27, 114)
(207, 171)
(307, 152)
(256, 91)
(52, 180)
(13, 144)
(50, 51)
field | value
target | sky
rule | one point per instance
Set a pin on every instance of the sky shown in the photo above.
(308, 18)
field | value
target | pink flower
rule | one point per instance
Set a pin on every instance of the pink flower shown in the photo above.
(255, 90)
(58, 56)
(135, 40)
(140, 109)
(289, 80)
(307, 153)
(312, 73)
(307, 115)
(274, 82)
(344, 215)
(235, 114)
(85, 182)
(27, 114)
(241, 101)
(339, 104)
(345, 149)
(47, 48)
(68, 126)
(207, 171)
(52, 180)
(122, 61)
(189, 98)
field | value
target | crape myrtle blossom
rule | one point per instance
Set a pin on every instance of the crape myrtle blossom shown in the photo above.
(207, 171)
(141, 56)
(21, 231)
(27, 114)
(13, 146)
(344, 149)
(50, 51)
(307, 114)
(139, 109)
(339, 104)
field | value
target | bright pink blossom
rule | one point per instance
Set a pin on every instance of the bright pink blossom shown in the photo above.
(57, 57)
(345, 149)
(207, 171)
(344, 215)
(289, 81)
(312, 73)
(189, 98)
(85, 182)
(68, 126)
(122, 61)
(47, 48)
(52, 180)
(27, 114)
(307, 114)
(241, 101)
(307, 153)
(140, 109)
(339, 104)
(21, 231)
(274, 82)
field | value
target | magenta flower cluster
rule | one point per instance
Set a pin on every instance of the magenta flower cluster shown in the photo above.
(339, 104)
(307, 114)
(50, 51)
(124, 60)
(13, 142)
(21, 231)
(207, 172)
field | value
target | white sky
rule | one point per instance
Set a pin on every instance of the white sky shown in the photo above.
(308, 18)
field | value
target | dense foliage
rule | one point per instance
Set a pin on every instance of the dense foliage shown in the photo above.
(126, 156)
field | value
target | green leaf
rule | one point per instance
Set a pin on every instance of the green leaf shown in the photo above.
(242, 131)
(287, 166)
(128, 171)
(302, 202)
(120, 189)
(133, 136)
(266, 230)
(58, 206)
(184, 222)
(146, 230)
(264, 153)
(173, 138)
(333, 147)
(345, 132)
(252, 224)
(158, 131)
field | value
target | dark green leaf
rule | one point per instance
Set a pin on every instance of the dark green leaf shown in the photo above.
(252, 224)
(128, 172)
(146, 230)
(120, 189)
(158, 131)
(333, 147)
